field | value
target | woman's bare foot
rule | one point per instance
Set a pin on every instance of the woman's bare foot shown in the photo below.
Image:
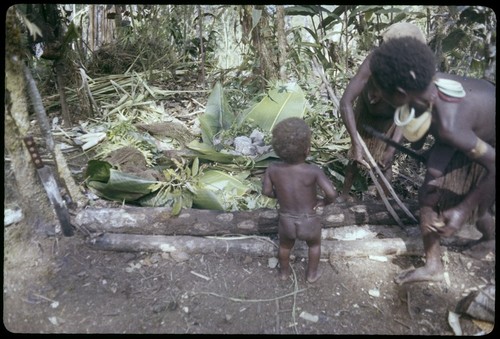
(312, 278)
(420, 274)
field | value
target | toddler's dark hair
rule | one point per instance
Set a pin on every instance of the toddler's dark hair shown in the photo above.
(291, 139)
(403, 62)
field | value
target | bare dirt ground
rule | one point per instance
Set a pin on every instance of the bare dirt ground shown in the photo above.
(61, 285)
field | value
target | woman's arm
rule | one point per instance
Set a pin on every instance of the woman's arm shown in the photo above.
(353, 90)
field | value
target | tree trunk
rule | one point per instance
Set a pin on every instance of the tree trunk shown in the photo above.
(282, 45)
(160, 221)
(63, 173)
(263, 69)
(201, 80)
(59, 66)
(32, 197)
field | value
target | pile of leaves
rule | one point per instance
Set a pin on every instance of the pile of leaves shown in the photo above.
(212, 159)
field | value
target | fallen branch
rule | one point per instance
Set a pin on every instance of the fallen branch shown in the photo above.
(386, 183)
(380, 191)
(253, 300)
(251, 246)
(325, 81)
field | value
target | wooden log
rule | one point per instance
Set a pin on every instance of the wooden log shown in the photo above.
(160, 221)
(251, 245)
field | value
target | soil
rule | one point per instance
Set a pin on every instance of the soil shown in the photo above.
(61, 285)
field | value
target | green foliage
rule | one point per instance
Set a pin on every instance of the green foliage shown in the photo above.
(219, 128)
(218, 115)
(176, 191)
(119, 186)
(98, 170)
(465, 43)
(178, 188)
(281, 102)
(220, 190)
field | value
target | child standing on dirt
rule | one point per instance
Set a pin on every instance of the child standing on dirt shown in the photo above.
(295, 184)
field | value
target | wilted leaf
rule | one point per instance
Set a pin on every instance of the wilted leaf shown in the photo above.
(89, 140)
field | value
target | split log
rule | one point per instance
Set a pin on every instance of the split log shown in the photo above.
(160, 221)
(251, 245)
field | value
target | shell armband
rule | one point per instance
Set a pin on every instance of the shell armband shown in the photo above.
(479, 150)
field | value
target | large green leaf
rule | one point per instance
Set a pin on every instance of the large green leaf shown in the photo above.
(98, 170)
(114, 185)
(218, 115)
(283, 101)
(310, 10)
(219, 190)
(122, 186)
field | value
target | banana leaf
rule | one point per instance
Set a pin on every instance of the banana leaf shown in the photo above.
(284, 101)
(98, 170)
(115, 185)
(217, 116)
(123, 186)
(217, 190)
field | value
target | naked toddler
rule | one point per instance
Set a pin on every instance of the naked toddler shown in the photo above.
(294, 183)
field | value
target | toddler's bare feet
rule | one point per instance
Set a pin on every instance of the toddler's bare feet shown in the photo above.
(284, 273)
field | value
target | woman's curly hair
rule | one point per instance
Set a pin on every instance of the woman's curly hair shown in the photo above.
(291, 139)
(403, 62)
